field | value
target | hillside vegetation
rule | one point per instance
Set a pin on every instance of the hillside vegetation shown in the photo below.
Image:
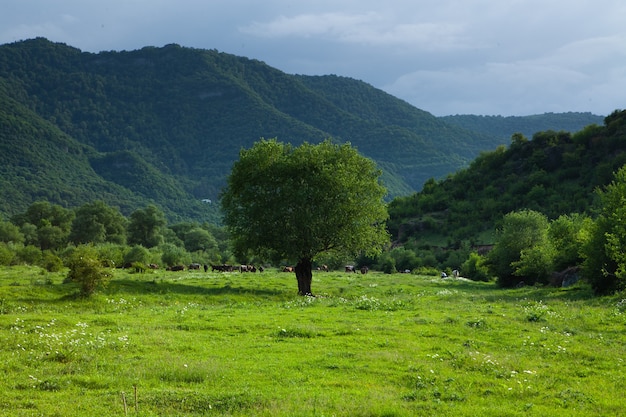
(164, 125)
(555, 173)
(504, 127)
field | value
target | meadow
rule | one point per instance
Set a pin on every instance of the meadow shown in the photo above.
(231, 344)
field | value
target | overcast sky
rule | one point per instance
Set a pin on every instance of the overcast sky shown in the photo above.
(490, 57)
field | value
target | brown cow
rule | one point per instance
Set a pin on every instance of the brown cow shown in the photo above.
(176, 268)
(288, 269)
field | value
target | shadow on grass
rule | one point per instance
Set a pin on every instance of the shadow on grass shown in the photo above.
(129, 286)
(491, 292)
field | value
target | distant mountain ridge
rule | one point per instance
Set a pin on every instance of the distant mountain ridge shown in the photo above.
(505, 126)
(163, 125)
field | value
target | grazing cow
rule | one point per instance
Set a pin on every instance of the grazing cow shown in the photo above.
(206, 267)
(364, 270)
(222, 268)
(153, 266)
(288, 269)
(350, 268)
(194, 266)
(325, 268)
(176, 268)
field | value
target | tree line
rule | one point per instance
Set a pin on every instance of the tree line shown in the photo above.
(46, 234)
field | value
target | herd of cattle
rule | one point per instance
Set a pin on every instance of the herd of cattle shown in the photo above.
(238, 268)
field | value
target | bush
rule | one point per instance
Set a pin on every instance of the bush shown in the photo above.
(523, 251)
(174, 255)
(137, 253)
(475, 269)
(51, 262)
(604, 263)
(387, 264)
(86, 270)
(30, 255)
(7, 254)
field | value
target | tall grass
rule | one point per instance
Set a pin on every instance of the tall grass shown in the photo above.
(195, 344)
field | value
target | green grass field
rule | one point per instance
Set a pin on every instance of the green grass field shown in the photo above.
(215, 344)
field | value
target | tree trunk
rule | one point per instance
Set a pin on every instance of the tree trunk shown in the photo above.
(304, 275)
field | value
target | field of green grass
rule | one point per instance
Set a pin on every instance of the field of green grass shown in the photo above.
(232, 344)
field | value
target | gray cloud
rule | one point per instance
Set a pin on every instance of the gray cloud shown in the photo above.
(444, 56)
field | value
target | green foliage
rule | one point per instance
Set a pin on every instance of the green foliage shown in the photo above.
(604, 260)
(137, 253)
(51, 262)
(198, 239)
(555, 173)
(7, 253)
(292, 203)
(475, 268)
(174, 255)
(85, 269)
(10, 233)
(29, 255)
(145, 227)
(98, 222)
(387, 263)
(567, 234)
(295, 203)
(111, 254)
(522, 251)
(404, 259)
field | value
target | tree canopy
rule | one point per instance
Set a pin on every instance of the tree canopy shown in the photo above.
(294, 203)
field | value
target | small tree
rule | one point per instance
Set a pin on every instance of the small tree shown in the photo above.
(604, 263)
(146, 227)
(98, 222)
(474, 268)
(523, 251)
(292, 203)
(86, 270)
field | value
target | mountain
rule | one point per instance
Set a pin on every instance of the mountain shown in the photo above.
(163, 125)
(502, 128)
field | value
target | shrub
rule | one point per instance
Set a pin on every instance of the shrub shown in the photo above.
(137, 253)
(51, 262)
(86, 270)
(523, 250)
(30, 255)
(7, 254)
(475, 269)
(604, 263)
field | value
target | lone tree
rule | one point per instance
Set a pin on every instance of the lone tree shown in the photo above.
(294, 203)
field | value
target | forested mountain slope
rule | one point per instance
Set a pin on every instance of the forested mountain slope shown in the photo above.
(504, 127)
(165, 124)
(555, 173)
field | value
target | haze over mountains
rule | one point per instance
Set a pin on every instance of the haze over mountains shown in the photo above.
(163, 125)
